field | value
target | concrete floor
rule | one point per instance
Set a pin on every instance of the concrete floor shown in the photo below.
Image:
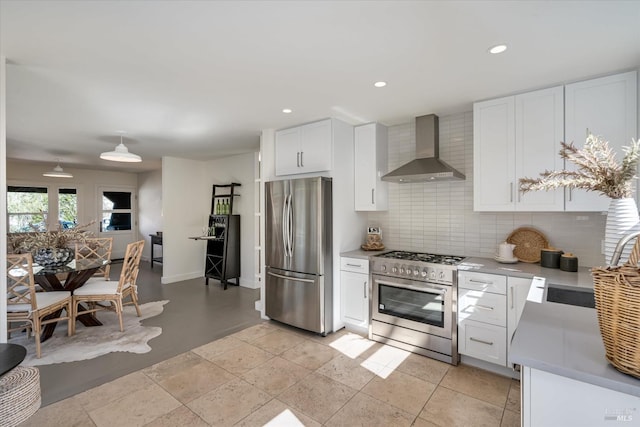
(196, 315)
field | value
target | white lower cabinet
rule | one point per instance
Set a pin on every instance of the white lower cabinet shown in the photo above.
(517, 291)
(354, 292)
(553, 400)
(483, 341)
(489, 308)
(482, 316)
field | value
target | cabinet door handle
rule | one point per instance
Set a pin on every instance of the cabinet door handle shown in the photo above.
(570, 194)
(480, 282)
(484, 307)
(480, 341)
(511, 296)
(302, 159)
(365, 289)
(298, 159)
(373, 196)
(511, 192)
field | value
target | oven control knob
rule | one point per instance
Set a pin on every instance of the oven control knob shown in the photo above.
(394, 269)
(424, 273)
(409, 271)
(416, 272)
(432, 274)
(383, 267)
(402, 269)
(441, 275)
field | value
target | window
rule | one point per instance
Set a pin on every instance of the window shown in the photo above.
(116, 211)
(67, 207)
(27, 209)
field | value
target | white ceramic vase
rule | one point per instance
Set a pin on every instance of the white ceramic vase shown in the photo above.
(622, 219)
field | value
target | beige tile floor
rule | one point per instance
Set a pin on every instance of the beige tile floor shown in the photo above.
(280, 376)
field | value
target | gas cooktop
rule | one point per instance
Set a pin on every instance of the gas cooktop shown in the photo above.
(423, 257)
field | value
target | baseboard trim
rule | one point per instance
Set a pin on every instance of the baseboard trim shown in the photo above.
(491, 367)
(180, 277)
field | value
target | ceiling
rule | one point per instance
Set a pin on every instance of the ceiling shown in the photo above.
(201, 79)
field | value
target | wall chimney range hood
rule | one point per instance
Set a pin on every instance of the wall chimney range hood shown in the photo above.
(427, 166)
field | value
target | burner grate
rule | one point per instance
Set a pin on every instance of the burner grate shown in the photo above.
(423, 257)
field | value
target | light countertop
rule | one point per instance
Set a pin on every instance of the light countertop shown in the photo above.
(520, 269)
(565, 340)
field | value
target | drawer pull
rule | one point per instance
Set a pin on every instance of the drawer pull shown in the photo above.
(480, 282)
(354, 265)
(480, 341)
(484, 307)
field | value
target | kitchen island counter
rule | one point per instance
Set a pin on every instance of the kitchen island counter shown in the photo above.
(565, 340)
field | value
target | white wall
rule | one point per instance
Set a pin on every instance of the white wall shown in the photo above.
(3, 196)
(439, 217)
(185, 205)
(239, 169)
(149, 208)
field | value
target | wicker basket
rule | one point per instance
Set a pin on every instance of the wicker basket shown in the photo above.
(19, 395)
(617, 295)
(529, 242)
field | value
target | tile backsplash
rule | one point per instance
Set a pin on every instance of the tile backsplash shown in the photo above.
(439, 217)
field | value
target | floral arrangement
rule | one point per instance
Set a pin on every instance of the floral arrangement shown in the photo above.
(598, 170)
(60, 238)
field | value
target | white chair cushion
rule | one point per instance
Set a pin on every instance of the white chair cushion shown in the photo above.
(98, 287)
(17, 308)
(45, 299)
(96, 279)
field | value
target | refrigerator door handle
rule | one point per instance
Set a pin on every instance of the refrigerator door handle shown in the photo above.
(290, 225)
(294, 279)
(285, 238)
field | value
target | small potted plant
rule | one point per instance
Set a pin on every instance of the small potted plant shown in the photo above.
(598, 170)
(49, 248)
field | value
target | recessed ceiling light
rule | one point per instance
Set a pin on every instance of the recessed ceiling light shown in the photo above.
(499, 48)
(287, 110)
(380, 84)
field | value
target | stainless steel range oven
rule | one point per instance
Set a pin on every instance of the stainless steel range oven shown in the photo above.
(413, 304)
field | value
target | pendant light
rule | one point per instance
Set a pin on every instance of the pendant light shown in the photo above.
(120, 154)
(58, 172)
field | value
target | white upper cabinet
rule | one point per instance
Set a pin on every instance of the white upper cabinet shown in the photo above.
(304, 149)
(539, 130)
(494, 155)
(515, 137)
(607, 107)
(370, 158)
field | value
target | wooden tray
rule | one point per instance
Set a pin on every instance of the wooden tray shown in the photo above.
(529, 242)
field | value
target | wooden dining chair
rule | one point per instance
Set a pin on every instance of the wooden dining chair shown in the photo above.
(113, 292)
(28, 308)
(96, 248)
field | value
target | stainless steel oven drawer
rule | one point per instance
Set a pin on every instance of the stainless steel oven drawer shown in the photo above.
(416, 342)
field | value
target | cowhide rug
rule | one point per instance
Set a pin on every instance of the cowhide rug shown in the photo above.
(88, 343)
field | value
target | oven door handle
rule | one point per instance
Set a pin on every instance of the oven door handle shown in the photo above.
(423, 288)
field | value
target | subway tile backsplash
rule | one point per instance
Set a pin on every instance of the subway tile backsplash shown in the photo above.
(439, 217)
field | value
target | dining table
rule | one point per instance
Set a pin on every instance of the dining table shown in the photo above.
(67, 278)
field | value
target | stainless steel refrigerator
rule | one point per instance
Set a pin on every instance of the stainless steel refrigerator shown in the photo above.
(298, 251)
